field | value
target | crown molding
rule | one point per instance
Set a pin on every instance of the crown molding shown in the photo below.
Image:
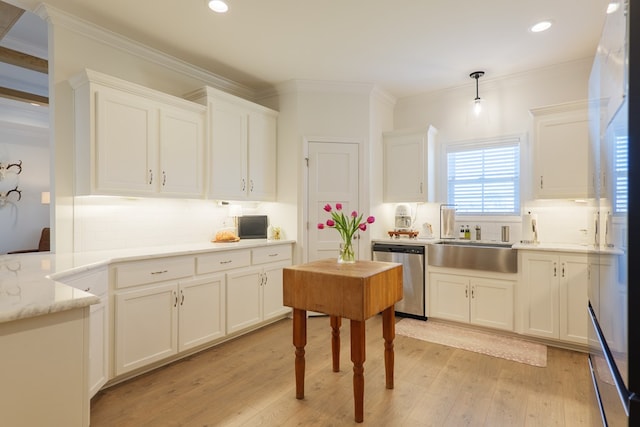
(107, 37)
(383, 97)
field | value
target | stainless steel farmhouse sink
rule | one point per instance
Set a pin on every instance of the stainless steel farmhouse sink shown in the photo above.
(487, 256)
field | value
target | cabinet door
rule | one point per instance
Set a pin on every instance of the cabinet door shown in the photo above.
(449, 297)
(98, 347)
(405, 168)
(573, 298)
(562, 155)
(228, 171)
(202, 311)
(262, 157)
(272, 291)
(244, 299)
(146, 327)
(181, 153)
(492, 303)
(539, 286)
(126, 143)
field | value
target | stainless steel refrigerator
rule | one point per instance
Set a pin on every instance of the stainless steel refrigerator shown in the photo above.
(614, 280)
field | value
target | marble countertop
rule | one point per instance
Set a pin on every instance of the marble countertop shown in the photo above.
(551, 247)
(32, 284)
(568, 247)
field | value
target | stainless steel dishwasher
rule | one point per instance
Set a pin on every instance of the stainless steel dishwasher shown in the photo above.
(412, 258)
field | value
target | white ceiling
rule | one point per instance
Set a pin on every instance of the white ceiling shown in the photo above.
(404, 46)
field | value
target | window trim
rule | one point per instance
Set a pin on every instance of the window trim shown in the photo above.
(478, 143)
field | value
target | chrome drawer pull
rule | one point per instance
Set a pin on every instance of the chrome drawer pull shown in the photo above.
(159, 272)
(226, 262)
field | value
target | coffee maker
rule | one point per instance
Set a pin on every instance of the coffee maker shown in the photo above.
(403, 218)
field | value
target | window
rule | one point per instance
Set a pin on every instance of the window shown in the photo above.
(620, 174)
(483, 177)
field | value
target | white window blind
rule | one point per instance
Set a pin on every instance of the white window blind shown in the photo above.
(620, 174)
(484, 177)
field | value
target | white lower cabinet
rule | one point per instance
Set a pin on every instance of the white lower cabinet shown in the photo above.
(554, 295)
(483, 301)
(159, 321)
(166, 306)
(201, 316)
(244, 298)
(146, 326)
(95, 281)
(253, 295)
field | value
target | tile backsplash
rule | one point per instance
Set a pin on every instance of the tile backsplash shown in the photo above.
(103, 223)
(559, 221)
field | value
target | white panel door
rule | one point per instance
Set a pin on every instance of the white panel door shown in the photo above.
(573, 300)
(272, 290)
(449, 297)
(244, 298)
(181, 153)
(539, 285)
(146, 326)
(332, 178)
(228, 156)
(202, 311)
(126, 139)
(262, 156)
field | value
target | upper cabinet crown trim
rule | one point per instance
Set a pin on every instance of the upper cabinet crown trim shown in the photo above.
(117, 41)
(208, 92)
(91, 76)
(560, 108)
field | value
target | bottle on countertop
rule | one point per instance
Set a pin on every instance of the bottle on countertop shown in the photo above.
(461, 235)
(467, 233)
(478, 233)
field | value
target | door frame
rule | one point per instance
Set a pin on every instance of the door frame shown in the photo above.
(303, 208)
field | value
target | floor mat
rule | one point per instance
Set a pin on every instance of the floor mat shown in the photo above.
(481, 342)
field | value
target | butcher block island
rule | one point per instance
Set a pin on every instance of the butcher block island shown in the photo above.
(354, 291)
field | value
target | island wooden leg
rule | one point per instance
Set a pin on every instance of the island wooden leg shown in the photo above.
(358, 357)
(388, 333)
(299, 341)
(336, 322)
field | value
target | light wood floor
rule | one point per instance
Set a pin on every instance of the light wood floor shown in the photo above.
(250, 382)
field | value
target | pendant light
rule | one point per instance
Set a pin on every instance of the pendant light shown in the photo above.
(477, 105)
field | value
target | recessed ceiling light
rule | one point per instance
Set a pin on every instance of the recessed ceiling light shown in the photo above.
(218, 6)
(613, 6)
(540, 26)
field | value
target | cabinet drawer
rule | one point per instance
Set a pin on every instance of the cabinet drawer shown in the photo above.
(271, 254)
(156, 270)
(219, 261)
(94, 281)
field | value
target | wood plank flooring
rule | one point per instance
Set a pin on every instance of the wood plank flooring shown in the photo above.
(250, 382)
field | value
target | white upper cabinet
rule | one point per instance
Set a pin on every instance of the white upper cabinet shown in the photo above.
(409, 166)
(182, 158)
(134, 141)
(261, 156)
(563, 163)
(242, 147)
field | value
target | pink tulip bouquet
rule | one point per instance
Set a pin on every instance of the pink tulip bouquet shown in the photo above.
(347, 227)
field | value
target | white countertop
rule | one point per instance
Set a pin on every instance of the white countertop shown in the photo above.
(551, 247)
(567, 247)
(30, 284)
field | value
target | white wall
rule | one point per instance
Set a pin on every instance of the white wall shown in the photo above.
(328, 111)
(507, 102)
(107, 223)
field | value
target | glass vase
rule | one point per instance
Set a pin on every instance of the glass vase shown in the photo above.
(346, 254)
